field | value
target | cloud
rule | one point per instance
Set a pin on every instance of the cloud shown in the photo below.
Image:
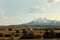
(2, 14)
(4, 20)
(52, 2)
(42, 8)
(37, 9)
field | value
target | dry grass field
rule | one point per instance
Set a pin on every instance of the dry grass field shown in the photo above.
(16, 33)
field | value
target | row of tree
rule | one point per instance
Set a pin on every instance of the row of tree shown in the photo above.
(46, 35)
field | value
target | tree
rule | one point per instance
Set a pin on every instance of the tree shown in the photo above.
(49, 34)
(25, 35)
(10, 29)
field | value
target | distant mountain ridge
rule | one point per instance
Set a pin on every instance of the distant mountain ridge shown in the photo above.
(44, 21)
(40, 22)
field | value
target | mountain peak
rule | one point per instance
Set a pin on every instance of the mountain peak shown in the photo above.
(44, 21)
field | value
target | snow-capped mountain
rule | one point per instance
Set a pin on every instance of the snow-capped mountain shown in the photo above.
(44, 21)
(41, 22)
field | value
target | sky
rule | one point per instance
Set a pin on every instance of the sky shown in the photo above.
(14, 12)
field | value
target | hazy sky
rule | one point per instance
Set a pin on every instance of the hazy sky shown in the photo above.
(23, 11)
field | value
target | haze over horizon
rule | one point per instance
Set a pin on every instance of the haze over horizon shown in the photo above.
(23, 11)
